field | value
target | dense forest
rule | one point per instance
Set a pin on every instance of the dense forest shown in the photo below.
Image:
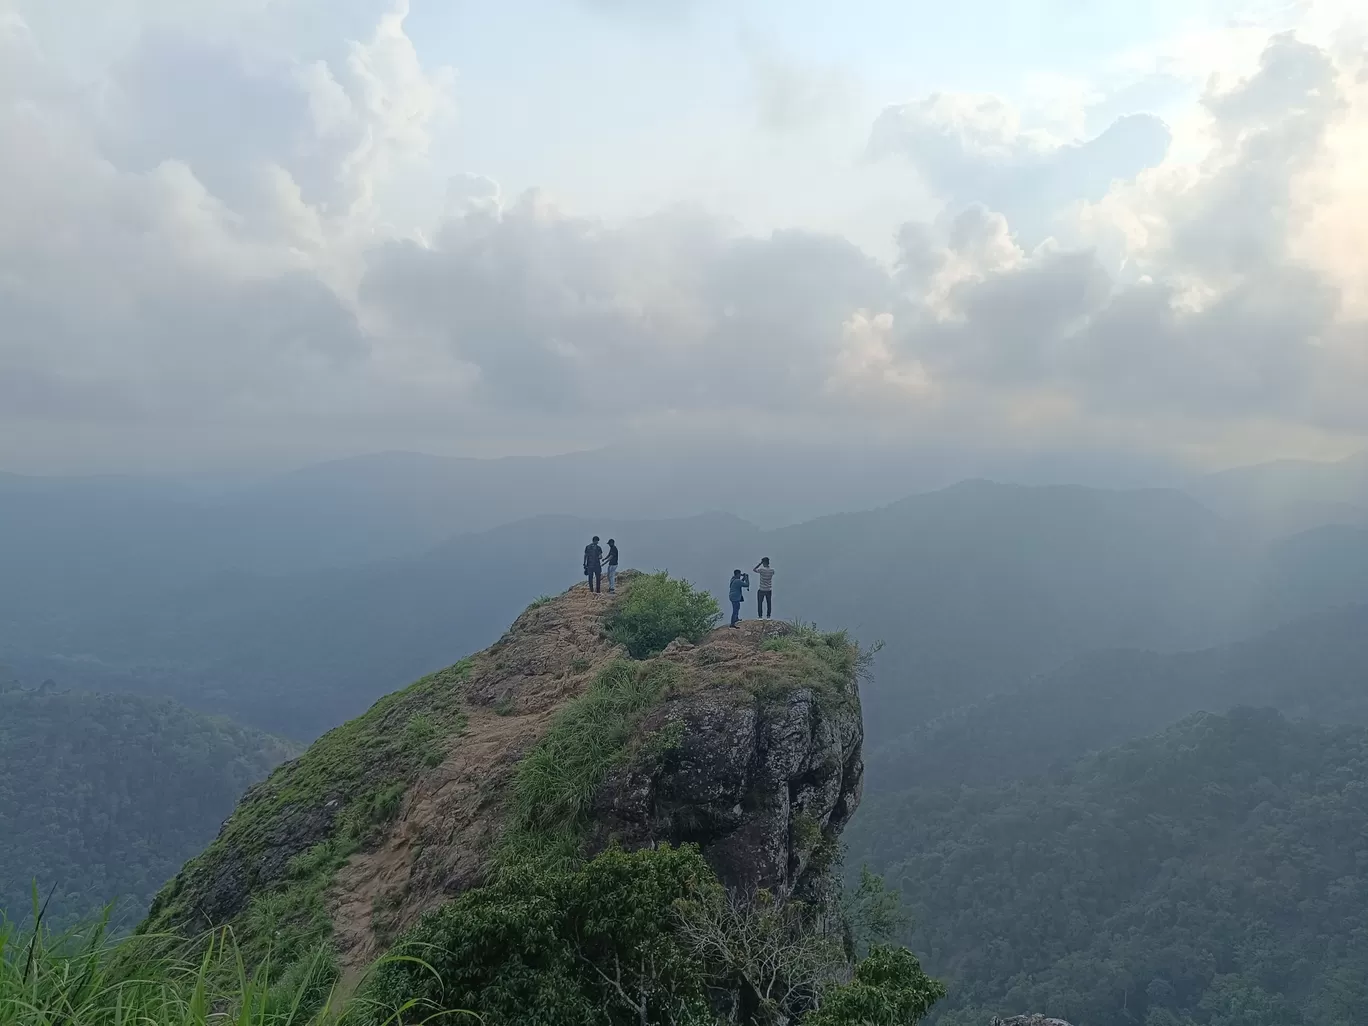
(1313, 669)
(103, 797)
(1213, 875)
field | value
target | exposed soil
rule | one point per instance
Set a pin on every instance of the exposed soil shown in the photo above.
(439, 844)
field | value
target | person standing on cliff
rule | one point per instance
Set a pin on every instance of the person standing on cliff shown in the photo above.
(764, 595)
(612, 566)
(736, 593)
(593, 564)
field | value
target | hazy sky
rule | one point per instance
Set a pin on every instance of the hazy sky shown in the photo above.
(238, 232)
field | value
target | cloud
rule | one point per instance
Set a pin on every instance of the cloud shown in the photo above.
(236, 117)
(558, 313)
(174, 245)
(197, 256)
(973, 149)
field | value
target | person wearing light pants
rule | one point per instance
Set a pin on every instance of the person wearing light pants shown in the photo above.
(612, 564)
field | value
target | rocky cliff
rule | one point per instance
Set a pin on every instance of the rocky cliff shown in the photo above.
(746, 743)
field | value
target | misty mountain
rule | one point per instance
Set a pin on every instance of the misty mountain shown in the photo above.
(84, 543)
(1316, 669)
(1288, 496)
(102, 797)
(973, 588)
(1212, 875)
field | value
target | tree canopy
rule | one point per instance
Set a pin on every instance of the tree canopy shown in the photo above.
(1213, 875)
(105, 796)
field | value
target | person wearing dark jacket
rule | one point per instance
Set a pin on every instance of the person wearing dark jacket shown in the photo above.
(739, 582)
(593, 565)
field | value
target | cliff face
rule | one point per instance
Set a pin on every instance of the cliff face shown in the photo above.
(748, 745)
(762, 779)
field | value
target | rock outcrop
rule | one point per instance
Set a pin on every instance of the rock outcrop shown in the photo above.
(761, 778)
(752, 751)
(1028, 1020)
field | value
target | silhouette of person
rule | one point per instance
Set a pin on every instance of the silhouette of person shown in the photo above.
(593, 565)
(739, 582)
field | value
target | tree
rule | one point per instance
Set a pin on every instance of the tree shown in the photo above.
(889, 989)
(775, 963)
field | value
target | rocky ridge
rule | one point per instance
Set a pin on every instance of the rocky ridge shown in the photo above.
(751, 749)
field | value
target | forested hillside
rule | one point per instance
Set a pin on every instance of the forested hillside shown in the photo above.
(105, 796)
(1316, 668)
(1213, 875)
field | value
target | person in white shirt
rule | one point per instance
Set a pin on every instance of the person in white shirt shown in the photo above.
(764, 595)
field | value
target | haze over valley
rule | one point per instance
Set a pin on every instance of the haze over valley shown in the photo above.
(406, 407)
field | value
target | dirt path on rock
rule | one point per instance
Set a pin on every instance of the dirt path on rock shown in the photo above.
(439, 844)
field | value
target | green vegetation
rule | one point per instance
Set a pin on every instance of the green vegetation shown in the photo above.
(538, 602)
(1313, 669)
(557, 779)
(582, 946)
(639, 937)
(655, 610)
(79, 977)
(889, 989)
(351, 781)
(826, 661)
(105, 796)
(1213, 875)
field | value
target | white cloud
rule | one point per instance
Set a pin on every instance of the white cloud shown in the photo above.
(867, 367)
(199, 252)
(975, 149)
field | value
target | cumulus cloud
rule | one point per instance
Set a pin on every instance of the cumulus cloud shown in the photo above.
(974, 149)
(196, 247)
(1216, 320)
(554, 312)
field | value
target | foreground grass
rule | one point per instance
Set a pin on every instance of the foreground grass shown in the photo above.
(81, 977)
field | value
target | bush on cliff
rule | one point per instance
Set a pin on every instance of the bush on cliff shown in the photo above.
(591, 946)
(647, 936)
(656, 610)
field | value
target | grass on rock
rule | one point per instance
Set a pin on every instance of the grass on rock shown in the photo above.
(556, 780)
(357, 773)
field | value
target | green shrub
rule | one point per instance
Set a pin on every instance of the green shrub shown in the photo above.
(656, 610)
(593, 946)
(889, 989)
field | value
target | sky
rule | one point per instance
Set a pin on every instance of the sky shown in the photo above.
(244, 233)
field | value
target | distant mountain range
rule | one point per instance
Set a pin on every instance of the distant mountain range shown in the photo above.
(1316, 668)
(1288, 496)
(974, 589)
